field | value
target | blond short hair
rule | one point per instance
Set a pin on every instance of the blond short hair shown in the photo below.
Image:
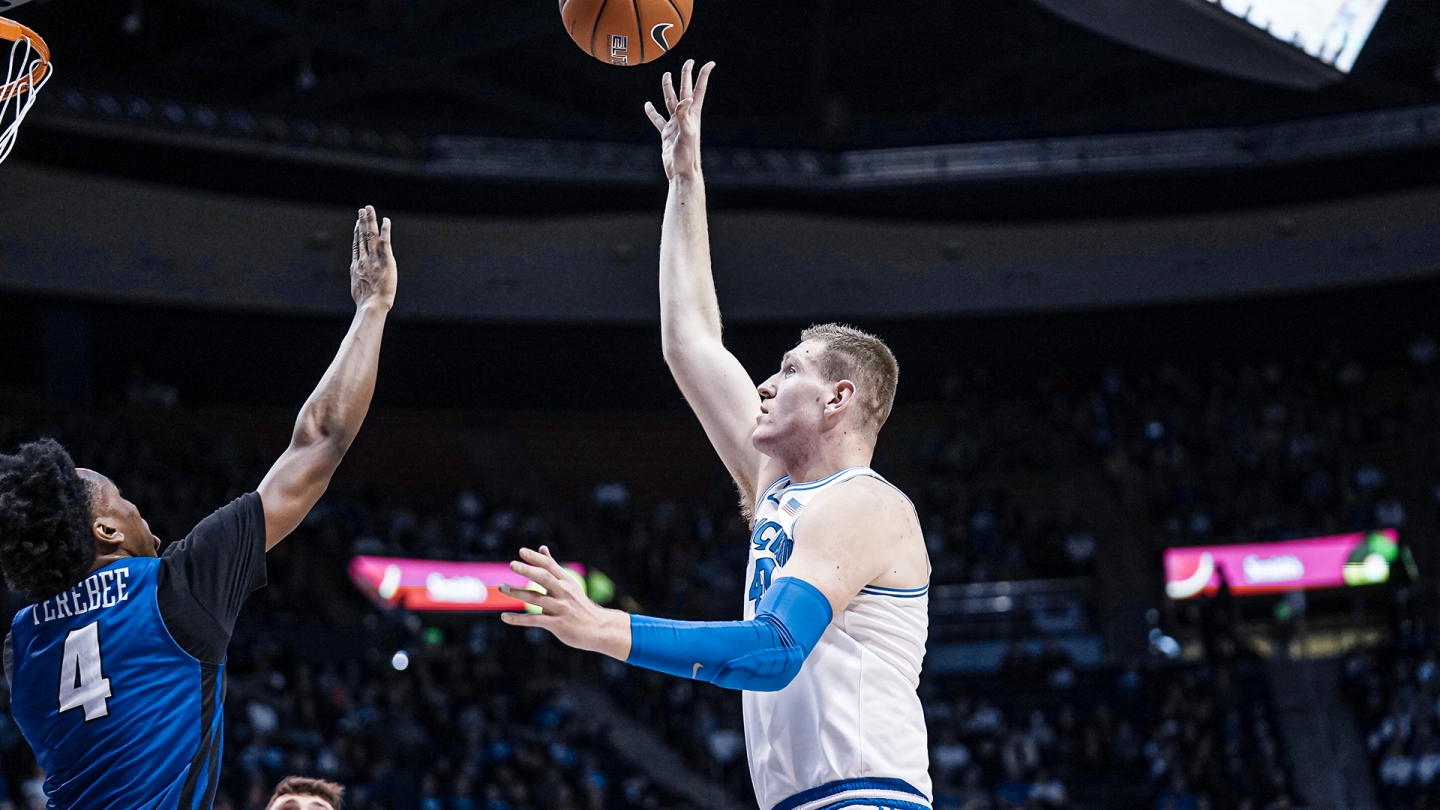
(306, 786)
(864, 359)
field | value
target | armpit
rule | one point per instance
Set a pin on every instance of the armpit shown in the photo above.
(747, 495)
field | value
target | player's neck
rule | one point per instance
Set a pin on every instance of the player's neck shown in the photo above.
(108, 558)
(825, 461)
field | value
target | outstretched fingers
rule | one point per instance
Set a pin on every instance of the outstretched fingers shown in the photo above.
(527, 619)
(367, 231)
(545, 602)
(385, 250)
(667, 88)
(355, 244)
(546, 560)
(687, 86)
(655, 118)
(701, 83)
(535, 573)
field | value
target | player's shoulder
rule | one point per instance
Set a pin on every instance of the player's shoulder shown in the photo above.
(242, 518)
(864, 498)
(874, 488)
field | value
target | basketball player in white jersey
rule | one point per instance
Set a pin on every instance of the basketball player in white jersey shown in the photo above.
(830, 651)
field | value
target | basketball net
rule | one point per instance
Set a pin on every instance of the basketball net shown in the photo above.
(27, 70)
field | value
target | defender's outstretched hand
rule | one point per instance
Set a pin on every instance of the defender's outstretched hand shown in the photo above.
(372, 263)
(331, 417)
(568, 612)
(680, 136)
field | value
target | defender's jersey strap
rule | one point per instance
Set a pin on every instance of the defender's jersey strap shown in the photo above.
(761, 655)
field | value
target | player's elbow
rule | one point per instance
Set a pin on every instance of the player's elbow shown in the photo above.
(791, 618)
(672, 346)
(684, 349)
(676, 358)
(767, 670)
(314, 432)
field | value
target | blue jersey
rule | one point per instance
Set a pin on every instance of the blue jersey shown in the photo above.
(117, 683)
(119, 715)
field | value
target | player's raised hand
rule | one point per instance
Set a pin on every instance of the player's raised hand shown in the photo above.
(372, 263)
(680, 135)
(568, 612)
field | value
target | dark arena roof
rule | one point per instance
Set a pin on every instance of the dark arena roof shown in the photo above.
(487, 106)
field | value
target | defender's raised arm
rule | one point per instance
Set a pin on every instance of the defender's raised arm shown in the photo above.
(332, 415)
(712, 380)
(163, 639)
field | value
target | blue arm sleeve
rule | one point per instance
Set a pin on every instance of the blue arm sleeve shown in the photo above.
(761, 655)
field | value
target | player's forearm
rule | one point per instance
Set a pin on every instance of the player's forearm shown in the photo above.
(763, 654)
(335, 410)
(689, 310)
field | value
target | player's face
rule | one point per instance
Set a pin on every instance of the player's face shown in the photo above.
(792, 401)
(290, 801)
(121, 516)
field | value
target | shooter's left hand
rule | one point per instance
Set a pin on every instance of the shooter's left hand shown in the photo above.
(568, 612)
(680, 135)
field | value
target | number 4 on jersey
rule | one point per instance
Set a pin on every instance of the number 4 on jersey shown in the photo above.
(82, 684)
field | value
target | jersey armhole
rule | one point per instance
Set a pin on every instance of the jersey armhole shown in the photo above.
(760, 499)
(183, 604)
(875, 590)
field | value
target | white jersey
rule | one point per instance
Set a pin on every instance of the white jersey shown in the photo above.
(850, 726)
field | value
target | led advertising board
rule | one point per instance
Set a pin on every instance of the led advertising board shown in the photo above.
(440, 584)
(1337, 561)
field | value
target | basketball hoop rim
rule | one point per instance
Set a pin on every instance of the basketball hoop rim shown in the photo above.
(12, 31)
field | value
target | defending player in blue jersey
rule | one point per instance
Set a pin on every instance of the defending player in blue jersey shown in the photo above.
(117, 672)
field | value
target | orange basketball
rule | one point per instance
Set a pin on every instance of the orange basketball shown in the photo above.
(626, 32)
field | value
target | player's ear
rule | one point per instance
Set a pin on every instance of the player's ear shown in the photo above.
(841, 396)
(107, 534)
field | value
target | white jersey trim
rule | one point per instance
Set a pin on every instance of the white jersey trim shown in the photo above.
(898, 593)
(848, 790)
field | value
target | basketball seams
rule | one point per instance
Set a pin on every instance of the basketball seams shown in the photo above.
(639, 29)
(596, 26)
(683, 23)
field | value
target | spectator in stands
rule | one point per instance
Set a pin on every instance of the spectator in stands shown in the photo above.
(304, 793)
(1396, 694)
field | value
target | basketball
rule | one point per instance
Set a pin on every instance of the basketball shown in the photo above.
(623, 33)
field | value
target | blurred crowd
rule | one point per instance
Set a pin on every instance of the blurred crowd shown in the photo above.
(1271, 450)
(1006, 481)
(1000, 481)
(1049, 735)
(480, 722)
(1396, 694)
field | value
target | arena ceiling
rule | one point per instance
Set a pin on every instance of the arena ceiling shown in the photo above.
(826, 73)
(377, 84)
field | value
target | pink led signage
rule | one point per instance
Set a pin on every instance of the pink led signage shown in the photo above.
(440, 585)
(1337, 561)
